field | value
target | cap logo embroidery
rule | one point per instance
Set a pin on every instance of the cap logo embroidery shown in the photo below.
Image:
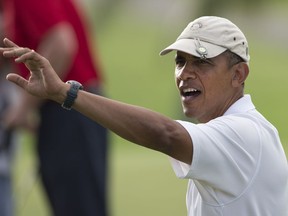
(196, 26)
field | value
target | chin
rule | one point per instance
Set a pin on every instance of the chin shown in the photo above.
(189, 114)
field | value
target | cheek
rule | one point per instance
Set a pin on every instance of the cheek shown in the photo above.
(215, 87)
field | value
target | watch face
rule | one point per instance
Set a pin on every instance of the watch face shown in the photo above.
(75, 84)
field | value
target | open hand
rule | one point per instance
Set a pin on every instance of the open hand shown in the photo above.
(43, 81)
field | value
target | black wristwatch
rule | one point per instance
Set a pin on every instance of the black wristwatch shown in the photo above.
(72, 94)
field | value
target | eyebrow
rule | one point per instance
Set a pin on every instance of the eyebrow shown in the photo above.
(182, 56)
(194, 58)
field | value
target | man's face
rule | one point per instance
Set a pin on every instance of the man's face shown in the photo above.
(205, 86)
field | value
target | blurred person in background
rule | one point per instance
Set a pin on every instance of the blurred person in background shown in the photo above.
(8, 99)
(72, 149)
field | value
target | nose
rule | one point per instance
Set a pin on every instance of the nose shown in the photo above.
(186, 72)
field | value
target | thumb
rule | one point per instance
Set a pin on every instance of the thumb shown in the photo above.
(17, 79)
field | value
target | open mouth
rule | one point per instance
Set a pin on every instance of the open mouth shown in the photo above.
(190, 92)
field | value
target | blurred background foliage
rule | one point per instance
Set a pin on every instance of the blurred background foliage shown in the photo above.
(127, 36)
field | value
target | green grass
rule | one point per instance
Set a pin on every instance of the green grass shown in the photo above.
(268, 85)
(141, 181)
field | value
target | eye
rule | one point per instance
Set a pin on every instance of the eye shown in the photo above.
(180, 62)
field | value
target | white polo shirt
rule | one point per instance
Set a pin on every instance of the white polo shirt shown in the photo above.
(239, 167)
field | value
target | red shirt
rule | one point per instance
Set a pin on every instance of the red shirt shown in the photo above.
(29, 20)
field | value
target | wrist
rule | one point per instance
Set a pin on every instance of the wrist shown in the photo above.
(61, 96)
(71, 94)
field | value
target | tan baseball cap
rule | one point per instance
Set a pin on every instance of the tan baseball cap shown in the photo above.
(209, 36)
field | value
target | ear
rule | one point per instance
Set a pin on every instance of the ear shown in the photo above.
(241, 71)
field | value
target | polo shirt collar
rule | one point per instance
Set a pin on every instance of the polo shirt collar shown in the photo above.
(242, 105)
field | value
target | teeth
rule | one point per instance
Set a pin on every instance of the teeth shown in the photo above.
(189, 90)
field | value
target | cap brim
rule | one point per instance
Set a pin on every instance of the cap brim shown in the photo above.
(190, 46)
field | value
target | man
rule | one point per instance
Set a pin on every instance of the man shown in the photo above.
(72, 149)
(233, 158)
(8, 98)
(7, 147)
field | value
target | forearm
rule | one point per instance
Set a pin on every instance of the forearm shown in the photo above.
(22, 112)
(133, 123)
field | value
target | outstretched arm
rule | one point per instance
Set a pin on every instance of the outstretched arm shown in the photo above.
(136, 124)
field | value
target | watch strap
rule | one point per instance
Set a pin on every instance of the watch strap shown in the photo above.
(71, 94)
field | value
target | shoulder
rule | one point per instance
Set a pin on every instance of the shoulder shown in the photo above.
(225, 140)
(227, 127)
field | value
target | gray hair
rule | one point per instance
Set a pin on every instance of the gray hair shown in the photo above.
(232, 58)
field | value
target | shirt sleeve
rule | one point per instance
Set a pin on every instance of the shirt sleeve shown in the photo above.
(37, 16)
(224, 151)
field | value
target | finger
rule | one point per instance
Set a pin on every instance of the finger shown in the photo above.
(9, 43)
(17, 79)
(24, 55)
(15, 52)
(33, 61)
